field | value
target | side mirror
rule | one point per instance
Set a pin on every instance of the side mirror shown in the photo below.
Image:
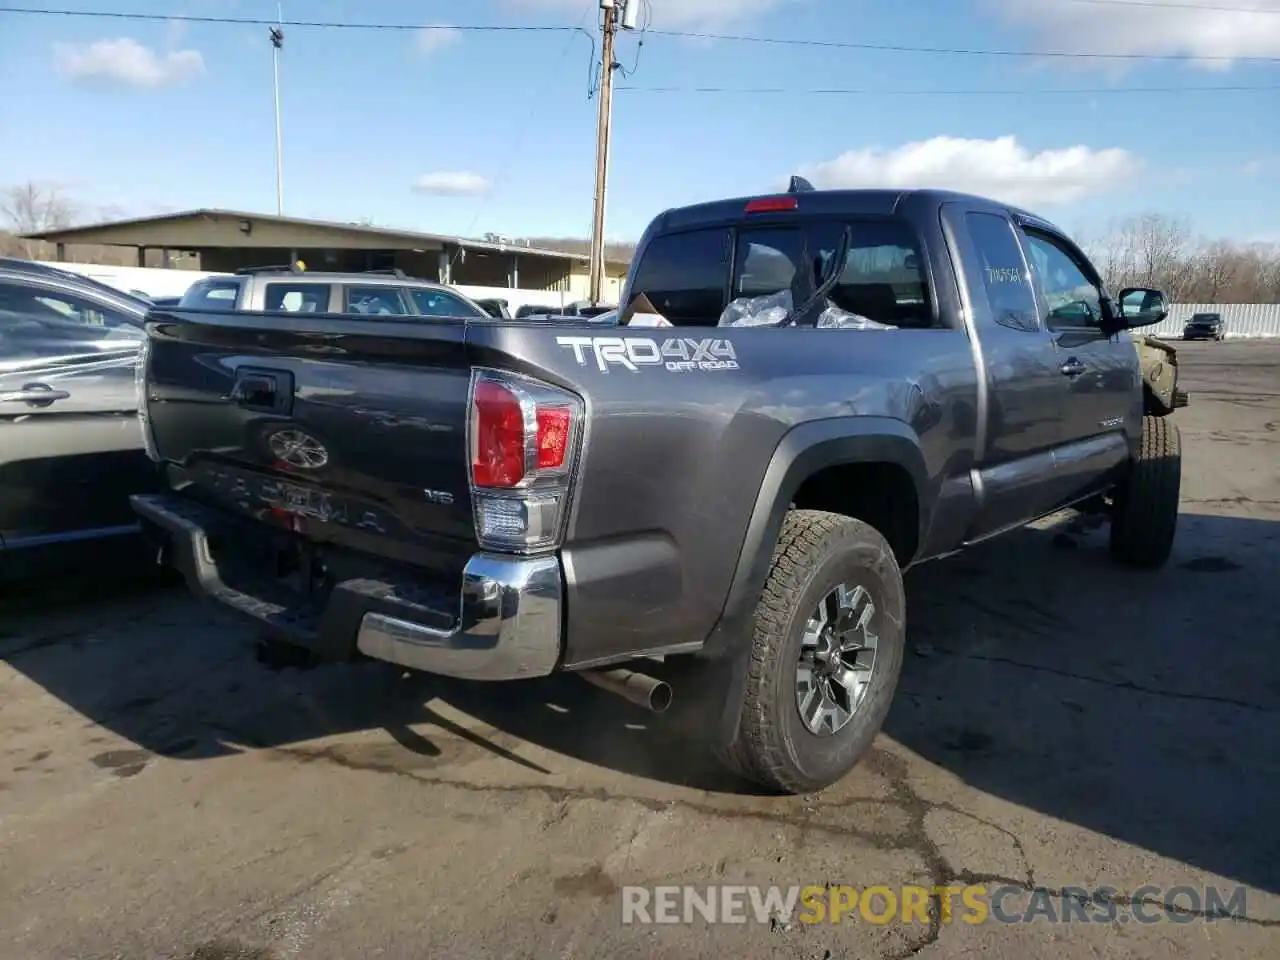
(1141, 306)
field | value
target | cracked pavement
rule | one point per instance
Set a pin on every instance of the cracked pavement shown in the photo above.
(1062, 725)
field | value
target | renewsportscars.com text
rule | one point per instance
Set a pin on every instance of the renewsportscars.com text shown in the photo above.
(971, 904)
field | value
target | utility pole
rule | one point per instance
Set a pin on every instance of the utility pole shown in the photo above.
(604, 124)
(277, 43)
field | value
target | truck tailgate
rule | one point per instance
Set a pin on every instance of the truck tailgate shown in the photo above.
(321, 426)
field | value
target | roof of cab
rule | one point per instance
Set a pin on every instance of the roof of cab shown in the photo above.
(861, 202)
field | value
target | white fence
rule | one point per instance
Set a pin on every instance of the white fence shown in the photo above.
(160, 282)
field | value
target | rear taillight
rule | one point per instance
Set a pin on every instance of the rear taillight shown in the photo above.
(524, 437)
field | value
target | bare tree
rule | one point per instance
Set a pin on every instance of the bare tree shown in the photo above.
(1153, 250)
(32, 208)
(1213, 268)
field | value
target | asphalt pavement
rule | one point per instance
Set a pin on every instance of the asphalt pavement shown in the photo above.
(1063, 726)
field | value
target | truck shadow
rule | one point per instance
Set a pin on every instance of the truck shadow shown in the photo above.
(1142, 706)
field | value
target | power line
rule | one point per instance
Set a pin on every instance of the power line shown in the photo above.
(1013, 92)
(1156, 5)
(271, 22)
(682, 34)
(958, 51)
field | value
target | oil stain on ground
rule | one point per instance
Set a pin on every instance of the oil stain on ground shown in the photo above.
(123, 763)
(592, 882)
(228, 950)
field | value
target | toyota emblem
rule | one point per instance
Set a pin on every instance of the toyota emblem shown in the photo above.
(298, 449)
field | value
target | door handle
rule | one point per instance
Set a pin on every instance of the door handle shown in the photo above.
(34, 394)
(1073, 368)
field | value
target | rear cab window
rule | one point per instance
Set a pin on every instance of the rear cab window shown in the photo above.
(691, 277)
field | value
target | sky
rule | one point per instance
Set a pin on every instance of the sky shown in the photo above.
(445, 128)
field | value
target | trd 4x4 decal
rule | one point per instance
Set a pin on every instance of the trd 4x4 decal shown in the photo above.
(676, 354)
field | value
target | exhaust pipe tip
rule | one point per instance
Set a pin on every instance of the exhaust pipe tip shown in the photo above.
(644, 691)
(660, 697)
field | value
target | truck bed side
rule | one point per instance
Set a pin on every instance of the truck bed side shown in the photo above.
(684, 429)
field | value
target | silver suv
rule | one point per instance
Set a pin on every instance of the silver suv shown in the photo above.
(290, 290)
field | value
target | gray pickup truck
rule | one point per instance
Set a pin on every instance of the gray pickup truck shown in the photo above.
(804, 395)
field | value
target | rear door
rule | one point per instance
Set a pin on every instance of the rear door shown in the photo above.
(70, 444)
(1101, 372)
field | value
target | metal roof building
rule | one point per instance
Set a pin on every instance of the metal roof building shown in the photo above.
(227, 240)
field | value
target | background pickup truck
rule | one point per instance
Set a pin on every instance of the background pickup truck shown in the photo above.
(499, 500)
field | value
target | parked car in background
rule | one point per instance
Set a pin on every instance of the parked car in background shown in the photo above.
(495, 307)
(580, 310)
(533, 310)
(1205, 326)
(71, 448)
(292, 290)
(585, 309)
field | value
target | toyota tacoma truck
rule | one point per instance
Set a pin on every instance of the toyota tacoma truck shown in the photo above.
(803, 395)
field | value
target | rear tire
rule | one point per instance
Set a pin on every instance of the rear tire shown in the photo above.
(819, 556)
(1145, 513)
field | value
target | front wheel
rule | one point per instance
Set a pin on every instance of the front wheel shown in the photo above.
(1145, 513)
(826, 653)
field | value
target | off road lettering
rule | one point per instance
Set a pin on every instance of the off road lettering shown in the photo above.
(677, 354)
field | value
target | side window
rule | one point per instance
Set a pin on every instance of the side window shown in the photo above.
(1005, 278)
(211, 295)
(437, 303)
(684, 275)
(374, 301)
(38, 321)
(1071, 297)
(293, 297)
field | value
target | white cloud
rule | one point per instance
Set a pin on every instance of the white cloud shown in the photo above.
(675, 14)
(1178, 27)
(1001, 169)
(126, 62)
(447, 183)
(436, 37)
